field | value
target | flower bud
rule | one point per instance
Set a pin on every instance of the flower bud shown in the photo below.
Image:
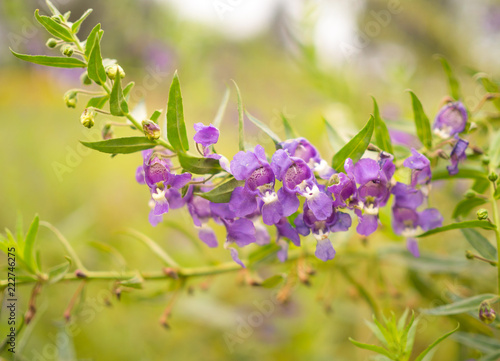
(151, 129)
(112, 70)
(493, 177)
(485, 160)
(486, 313)
(470, 194)
(56, 18)
(469, 255)
(107, 132)
(70, 99)
(67, 50)
(51, 43)
(84, 78)
(482, 214)
(88, 118)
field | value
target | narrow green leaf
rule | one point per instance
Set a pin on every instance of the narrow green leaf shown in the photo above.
(276, 139)
(199, 165)
(460, 225)
(263, 253)
(121, 145)
(176, 129)
(453, 83)
(153, 246)
(481, 185)
(89, 44)
(134, 282)
(57, 273)
(96, 69)
(355, 148)
(53, 27)
(421, 122)
(465, 206)
(241, 120)
(382, 137)
(19, 228)
(464, 172)
(98, 102)
(289, 131)
(494, 150)
(334, 137)
(54, 61)
(462, 306)
(480, 243)
(117, 103)
(128, 89)
(222, 193)
(373, 348)
(52, 8)
(76, 25)
(155, 116)
(479, 342)
(435, 343)
(29, 244)
(273, 281)
(490, 86)
(494, 356)
(222, 109)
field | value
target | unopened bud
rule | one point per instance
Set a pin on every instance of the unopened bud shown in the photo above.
(88, 118)
(485, 160)
(51, 43)
(151, 129)
(493, 177)
(170, 272)
(70, 98)
(482, 214)
(107, 132)
(80, 274)
(442, 154)
(56, 18)
(84, 78)
(469, 255)
(67, 50)
(113, 70)
(486, 313)
(470, 194)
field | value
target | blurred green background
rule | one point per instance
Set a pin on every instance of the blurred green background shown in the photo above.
(306, 59)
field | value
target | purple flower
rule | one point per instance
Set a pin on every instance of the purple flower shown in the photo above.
(286, 230)
(240, 231)
(420, 168)
(457, 155)
(253, 168)
(199, 209)
(298, 178)
(206, 135)
(303, 149)
(450, 120)
(345, 189)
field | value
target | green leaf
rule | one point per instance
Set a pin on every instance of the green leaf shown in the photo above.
(421, 122)
(480, 243)
(55, 61)
(494, 150)
(121, 145)
(355, 148)
(241, 120)
(452, 80)
(460, 225)
(57, 273)
(490, 87)
(199, 165)
(76, 25)
(461, 306)
(222, 193)
(53, 27)
(134, 282)
(479, 342)
(276, 139)
(273, 281)
(289, 131)
(464, 172)
(155, 116)
(435, 343)
(373, 348)
(481, 185)
(222, 109)
(52, 8)
(333, 136)
(128, 89)
(96, 70)
(117, 103)
(29, 244)
(382, 137)
(98, 102)
(465, 206)
(495, 356)
(176, 129)
(89, 44)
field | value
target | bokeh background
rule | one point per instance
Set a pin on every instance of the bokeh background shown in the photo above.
(306, 59)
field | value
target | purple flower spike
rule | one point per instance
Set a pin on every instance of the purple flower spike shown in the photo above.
(457, 155)
(450, 120)
(206, 135)
(303, 149)
(420, 168)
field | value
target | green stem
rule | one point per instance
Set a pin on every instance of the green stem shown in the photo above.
(496, 220)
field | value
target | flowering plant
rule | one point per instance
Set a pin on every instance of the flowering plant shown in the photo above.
(274, 199)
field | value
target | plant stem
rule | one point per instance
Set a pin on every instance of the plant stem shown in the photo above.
(496, 219)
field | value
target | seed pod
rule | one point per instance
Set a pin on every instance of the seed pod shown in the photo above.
(51, 43)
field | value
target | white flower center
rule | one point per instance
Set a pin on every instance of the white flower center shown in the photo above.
(270, 197)
(410, 232)
(320, 235)
(159, 196)
(444, 132)
(308, 192)
(322, 168)
(371, 210)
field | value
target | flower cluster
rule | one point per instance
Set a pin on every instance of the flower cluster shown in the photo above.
(297, 193)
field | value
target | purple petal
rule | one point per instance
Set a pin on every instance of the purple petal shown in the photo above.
(324, 250)
(406, 196)
(366, 170)
(280, 162)
(283, 251)
(342, 223)
(272, 212)
(412, 245)
(242, 202)
(139, 175)
(243, 165)
(367, 224)
(429, 219)
(235, 257)
(402, 138)
(457, 155)
(321, 205)
(160, 208)
(179, 181)
(222, 210)
(286, 230)
(207, 235)
(289, 201)
(154, 219)
(300, 225)
(206, 135)
(261, 234)
(451, 120)
(241, 232)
